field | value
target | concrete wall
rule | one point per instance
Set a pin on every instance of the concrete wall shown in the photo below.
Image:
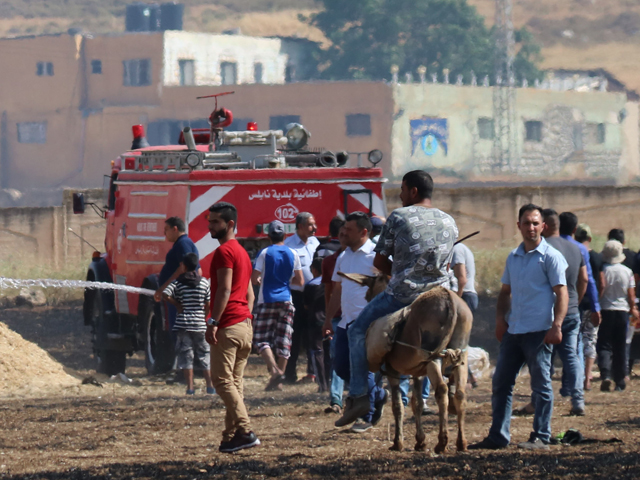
(41, 235)
(566, 149)
(494, 211)
(208, 51)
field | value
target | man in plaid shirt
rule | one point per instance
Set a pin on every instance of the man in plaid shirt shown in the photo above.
(277, 266)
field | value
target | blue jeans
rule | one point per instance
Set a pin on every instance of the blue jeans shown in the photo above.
(515, 352)
(341, 367)
(404, 389)
(337, 384)
(383, 304)
(572, 367)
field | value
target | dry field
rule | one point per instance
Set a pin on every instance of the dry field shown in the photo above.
(153, 431)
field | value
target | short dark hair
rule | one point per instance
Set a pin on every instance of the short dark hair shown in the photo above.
(302, 217)
(362, 220)
(317, 264)
(276, 237)
(568, 223)
(616, 234)
(550, 217)
(176, 222)
(421, 180)
(226, 210)
(529, 207)
(335, 225)
(190, 261)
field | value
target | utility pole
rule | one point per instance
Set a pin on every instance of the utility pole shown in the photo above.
(504, 115)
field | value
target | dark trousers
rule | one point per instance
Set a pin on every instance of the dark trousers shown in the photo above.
(299, 338)
(316, 348)
(342, 369)
(612, 344)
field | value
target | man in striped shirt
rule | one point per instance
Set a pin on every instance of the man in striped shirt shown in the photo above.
(190, 293)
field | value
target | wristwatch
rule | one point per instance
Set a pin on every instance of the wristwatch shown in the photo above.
(212, 322)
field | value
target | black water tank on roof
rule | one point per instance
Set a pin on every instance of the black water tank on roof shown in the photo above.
(171, 16)
(142, 17)
(154, 17)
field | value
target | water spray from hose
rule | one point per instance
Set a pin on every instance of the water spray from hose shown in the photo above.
(15, 283)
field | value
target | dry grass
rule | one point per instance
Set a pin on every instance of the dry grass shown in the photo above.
(23, 268)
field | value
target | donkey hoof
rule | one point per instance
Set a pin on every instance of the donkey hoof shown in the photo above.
(461, 445)
(420, 447)
(396, 447)
(440, 448)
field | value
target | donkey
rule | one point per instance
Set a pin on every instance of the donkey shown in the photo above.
(424, 338)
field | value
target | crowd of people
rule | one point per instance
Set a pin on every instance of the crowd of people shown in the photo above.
(557, 296)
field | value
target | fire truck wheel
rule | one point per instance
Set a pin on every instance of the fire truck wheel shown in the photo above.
(158, 349)
(109, 362)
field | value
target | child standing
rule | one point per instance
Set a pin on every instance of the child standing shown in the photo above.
(190, 293)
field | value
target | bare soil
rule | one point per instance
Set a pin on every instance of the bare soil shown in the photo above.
(154, 431)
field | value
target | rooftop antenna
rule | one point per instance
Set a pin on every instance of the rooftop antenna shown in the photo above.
(504, 114)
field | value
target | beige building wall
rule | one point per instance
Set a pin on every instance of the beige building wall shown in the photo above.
(566, 149)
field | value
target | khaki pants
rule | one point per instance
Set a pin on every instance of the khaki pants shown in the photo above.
(228, 360)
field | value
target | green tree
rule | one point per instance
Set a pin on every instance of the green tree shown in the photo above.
(369, 36)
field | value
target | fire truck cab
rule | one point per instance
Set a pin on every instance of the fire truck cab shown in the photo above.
(267, 175)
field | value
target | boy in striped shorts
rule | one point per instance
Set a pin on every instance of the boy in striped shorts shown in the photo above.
(190, 293)
(276, 267)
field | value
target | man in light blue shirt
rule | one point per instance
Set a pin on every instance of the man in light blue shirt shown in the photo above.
(534, 294)
(304, 243)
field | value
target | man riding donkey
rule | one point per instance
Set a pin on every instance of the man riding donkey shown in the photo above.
(420, 240)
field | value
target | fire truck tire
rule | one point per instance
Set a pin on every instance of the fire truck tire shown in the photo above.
(159, 350)
(109, 362)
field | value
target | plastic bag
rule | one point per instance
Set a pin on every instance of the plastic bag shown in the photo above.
(479, 363)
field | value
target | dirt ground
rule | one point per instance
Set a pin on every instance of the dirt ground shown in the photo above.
(153, 430)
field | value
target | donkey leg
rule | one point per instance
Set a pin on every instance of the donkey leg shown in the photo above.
(434, 370)
(460, 401)
(398, 413)
(416, 405)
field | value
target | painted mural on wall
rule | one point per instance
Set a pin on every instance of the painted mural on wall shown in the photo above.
(429, 135)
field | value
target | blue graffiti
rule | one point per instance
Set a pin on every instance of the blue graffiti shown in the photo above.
(428, 134)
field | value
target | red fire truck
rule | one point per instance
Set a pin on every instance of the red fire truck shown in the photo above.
(267, 175)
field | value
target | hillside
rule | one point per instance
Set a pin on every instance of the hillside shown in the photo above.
(574, 33)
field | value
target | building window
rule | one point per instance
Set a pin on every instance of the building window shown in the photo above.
(359, 124)
(32, 132)
(595, 133)
(533, 131)
(485, 128)
(137, 73)
(279, 122)
(257, 72)
(187, 72)
(96, 67)
(239, 124)
(44, 69)
(228, 73)
(167, 131)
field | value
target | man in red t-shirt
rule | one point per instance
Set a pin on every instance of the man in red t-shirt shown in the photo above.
(229, 329)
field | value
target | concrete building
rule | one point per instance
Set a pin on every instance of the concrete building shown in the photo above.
(68, 102)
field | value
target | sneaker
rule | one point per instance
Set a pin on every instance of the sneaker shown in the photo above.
(486, 444)
(577, 412)
(211, 390)
(606, 384)
(333, 408)
(307, 379)
(355, 408)
(425, 409)
(361, 426)
(379, 408)
(534, 443)
(191, 392)
(239, 442)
